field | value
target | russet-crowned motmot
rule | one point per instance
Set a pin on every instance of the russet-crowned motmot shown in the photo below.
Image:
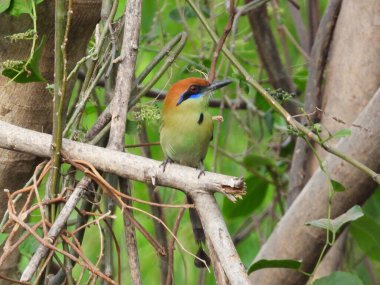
(186, 131)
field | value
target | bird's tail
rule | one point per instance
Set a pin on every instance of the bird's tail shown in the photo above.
(199, 235)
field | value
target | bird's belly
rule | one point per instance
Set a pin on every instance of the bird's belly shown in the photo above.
(186, 144)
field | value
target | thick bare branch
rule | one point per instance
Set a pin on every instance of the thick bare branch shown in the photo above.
(300, 171)
(125, 74)
(218, 235)
(306, 242)
(147, 170)
(122, 164)
(118, 109)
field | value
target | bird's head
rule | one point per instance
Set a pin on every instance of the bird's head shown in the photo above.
(191, 91)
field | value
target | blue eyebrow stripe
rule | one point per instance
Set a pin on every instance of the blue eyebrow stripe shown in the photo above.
(194, 96)
(186, 96)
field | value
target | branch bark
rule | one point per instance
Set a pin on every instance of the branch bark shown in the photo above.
(122, 164)
(154, 196)
(55, 230)
(222, 39)
(218, 235)
(119, 109)
(148, 171)
(268, 52)
(300, 170)
(30, 105)
(306, 242)
(353, 71)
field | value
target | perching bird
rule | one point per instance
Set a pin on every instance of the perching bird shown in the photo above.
(186, 131)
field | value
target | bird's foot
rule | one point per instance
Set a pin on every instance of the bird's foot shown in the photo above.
(201, 170)
(165, 163)
(218, 118)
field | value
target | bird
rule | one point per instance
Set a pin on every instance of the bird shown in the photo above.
(185, 134)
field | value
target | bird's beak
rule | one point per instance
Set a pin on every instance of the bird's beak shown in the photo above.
(216, 85)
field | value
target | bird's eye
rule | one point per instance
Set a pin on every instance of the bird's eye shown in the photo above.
(194, 89)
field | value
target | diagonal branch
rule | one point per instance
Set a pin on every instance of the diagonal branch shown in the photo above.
(219, 237)
(220, 44)
(312, 203)
(301, 171)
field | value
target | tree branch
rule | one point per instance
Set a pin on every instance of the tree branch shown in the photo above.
(218, 235)
(300, 171)
(148, 171)
(312, 203)
(119, 109)
(122, 164)
(293, 123)
(223, 38)
(268, 52)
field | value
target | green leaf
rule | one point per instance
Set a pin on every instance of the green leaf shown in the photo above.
(334, 225)
(256, 192)
(366, 232)
(339, 277)
(342, 133)
(90, 109)
(30, 72)
(120, 9)
(3, 236)
(4, 5)
(300, 78)
(30, 245)
(317, 127)
(275, 263)
(18, 7)
(337, 186)
(256, 160)
(132, 127)
(268, 117)
(187, 13)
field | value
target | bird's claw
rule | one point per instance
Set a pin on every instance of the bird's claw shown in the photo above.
(165, 163)
(201, 172)
(218, 118)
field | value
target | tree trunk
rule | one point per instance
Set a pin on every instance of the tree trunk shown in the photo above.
(30, 105)
(352, 77)
(292, 239)
(353, 71)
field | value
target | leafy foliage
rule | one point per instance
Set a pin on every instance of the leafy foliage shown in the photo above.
(339, 278)
(4, 5)
(337, 186)
(334, 225)
(27, 71)
(19, 7)
(256, 191)
(250, 143)
(275, 263)
(366, 231)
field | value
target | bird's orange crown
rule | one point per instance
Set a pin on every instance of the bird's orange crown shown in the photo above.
(179, 88)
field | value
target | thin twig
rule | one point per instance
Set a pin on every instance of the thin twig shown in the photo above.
(221, 41)
(275, 105)
(154, 196)
(170, 274)
(60, 63)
